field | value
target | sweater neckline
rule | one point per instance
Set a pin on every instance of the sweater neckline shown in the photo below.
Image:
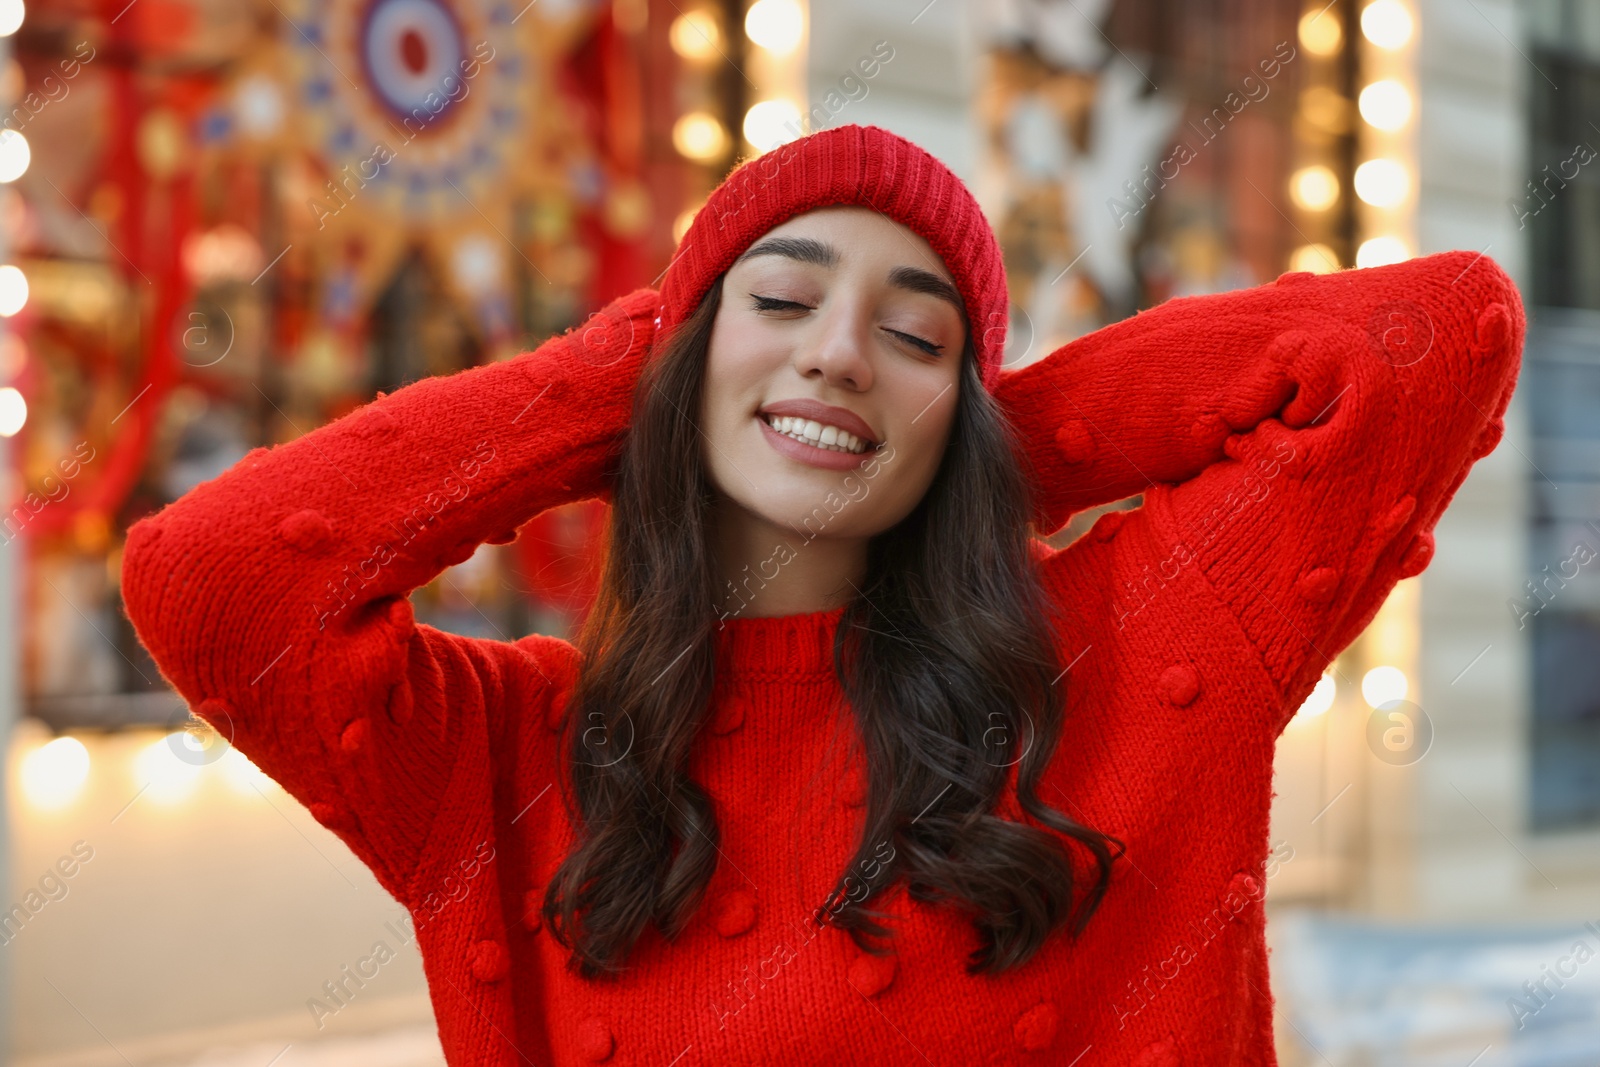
(778, 644)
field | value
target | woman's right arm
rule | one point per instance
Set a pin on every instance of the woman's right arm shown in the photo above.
(274, 597)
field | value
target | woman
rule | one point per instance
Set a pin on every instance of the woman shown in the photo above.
(845, 766)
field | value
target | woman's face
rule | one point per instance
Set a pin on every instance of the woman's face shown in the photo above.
(846, 320)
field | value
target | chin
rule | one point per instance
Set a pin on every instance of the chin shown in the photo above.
(809, 516)
(810, 502)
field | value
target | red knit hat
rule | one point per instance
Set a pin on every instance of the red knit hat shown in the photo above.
(850, 164)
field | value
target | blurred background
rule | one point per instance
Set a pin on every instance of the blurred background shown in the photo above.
(226, 222)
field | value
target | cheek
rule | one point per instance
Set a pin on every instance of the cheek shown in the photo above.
(717, 439)
(921, 447)
(741, 365)
(930, 411)
(735, 385)
(711, 398)
(917, 452)
(723, 371)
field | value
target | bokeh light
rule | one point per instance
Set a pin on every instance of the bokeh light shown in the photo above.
(700, 137)
(1381, 250)
(1320, 33)
(776, 25)
(12, 13)
(13, 290)
(1383, 684)
(1382, 182)
(694, 35)
(1314, 188)
(13, 411)
(771, 123)
(14, 155)
(1385, 104)
(1317, 258)
(53, 774)
(1387, 24)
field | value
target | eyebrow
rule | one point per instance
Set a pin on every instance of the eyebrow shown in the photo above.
(822, 254)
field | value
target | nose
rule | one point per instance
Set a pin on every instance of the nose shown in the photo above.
(837, 350)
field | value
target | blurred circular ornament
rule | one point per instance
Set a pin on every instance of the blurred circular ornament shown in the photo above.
(415, 108)
(408, 50)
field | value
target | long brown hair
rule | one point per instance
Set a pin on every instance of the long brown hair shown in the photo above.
(945, 657)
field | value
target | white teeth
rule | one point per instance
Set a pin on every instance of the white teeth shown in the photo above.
(816, 434)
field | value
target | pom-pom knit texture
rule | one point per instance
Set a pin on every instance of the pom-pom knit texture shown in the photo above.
(1295, 444)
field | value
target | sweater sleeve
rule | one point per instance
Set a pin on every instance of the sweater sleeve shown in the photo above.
(1296, 442)
(275, 597)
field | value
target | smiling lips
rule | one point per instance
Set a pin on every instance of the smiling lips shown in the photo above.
(815, 433)
(818, 434)
(842, 420)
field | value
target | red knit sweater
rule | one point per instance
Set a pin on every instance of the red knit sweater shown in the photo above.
(1295, 442)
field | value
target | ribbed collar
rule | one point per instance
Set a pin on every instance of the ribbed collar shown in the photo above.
(778, 644)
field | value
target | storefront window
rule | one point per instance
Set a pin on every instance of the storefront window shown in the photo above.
(1558, 214)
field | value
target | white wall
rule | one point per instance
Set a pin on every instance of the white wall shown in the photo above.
(924, 93)
(1474, 857)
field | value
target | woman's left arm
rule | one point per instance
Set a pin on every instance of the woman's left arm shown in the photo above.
(1296, 442)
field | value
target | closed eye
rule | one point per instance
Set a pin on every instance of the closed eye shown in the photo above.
(927, 346)
(771, 303)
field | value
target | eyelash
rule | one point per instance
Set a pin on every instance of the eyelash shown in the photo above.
(769, 303)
